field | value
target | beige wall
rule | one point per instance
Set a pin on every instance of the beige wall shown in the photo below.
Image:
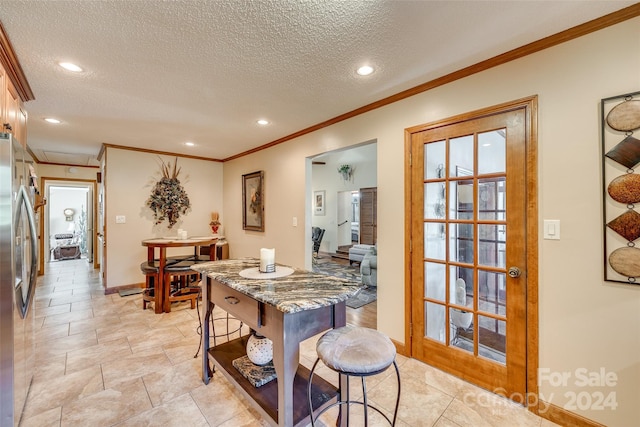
(584, 321)
(130, 177)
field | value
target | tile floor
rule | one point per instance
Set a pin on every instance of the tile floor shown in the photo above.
(103, 361)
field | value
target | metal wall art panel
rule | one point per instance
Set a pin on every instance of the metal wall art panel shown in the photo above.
(621, 187)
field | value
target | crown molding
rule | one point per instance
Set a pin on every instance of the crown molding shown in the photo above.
(12, 66)
(145, 150)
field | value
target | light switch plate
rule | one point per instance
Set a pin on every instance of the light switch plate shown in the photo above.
(295, 221)
(121, 219)
(552, 229)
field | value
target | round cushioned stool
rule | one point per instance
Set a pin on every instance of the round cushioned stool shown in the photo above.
(355, 352)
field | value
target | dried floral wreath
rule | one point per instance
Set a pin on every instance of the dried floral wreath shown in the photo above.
(168, 200)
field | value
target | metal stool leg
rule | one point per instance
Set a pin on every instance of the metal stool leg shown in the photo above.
(364, 398)
(348, 402)
(395, 413)
(313, 420)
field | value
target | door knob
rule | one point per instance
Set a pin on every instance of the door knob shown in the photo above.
(514, 272)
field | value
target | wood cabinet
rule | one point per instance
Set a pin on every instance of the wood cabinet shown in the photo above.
(13, 116)
(3, 96)
(11, 120)
(368, 216)
(14, 91)
(21, 131)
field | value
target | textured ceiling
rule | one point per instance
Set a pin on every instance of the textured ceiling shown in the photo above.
(160, 73)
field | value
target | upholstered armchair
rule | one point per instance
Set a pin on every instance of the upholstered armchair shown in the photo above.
(316, 237)
(369, 268)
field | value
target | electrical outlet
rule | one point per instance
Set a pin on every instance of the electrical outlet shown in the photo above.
(121, 219)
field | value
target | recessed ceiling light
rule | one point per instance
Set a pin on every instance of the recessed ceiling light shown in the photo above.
(263, 122)
(71, 67)
(365, 70)
(52, 120)
(190, 144)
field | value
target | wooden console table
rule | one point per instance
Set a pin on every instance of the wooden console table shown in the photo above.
(286, 310)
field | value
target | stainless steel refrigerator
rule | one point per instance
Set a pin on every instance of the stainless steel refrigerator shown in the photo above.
(18, 275)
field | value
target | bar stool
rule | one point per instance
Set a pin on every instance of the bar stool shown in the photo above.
(184, 278)
(150, 271)
(355, 352)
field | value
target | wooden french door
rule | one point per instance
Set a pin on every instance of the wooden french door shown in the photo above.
(469, 247)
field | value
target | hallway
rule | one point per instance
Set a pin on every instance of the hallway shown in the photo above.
(103, 361)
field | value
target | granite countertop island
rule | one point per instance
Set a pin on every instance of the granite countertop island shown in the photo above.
(301, 290)
(287, 306)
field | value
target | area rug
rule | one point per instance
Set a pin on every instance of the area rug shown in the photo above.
(127, 292)
(364, 297)
(347, 271)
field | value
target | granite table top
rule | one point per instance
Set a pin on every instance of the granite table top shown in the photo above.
(299, 291)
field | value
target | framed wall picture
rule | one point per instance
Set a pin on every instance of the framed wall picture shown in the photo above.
(318, 202)
(253, 201)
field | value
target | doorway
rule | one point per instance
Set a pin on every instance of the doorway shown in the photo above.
(68, 226)
(348, 218)
(340, 216)
(473, 283)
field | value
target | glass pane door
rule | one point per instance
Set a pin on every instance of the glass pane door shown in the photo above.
(468, 245)
(464, 241)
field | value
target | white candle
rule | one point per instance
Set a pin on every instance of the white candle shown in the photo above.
(267, 260)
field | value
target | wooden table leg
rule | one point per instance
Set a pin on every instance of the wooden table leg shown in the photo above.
(293, 328)
(286, 356)
(160, 287)
(150, 255)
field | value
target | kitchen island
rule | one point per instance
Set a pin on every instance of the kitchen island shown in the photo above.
(287, 310)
